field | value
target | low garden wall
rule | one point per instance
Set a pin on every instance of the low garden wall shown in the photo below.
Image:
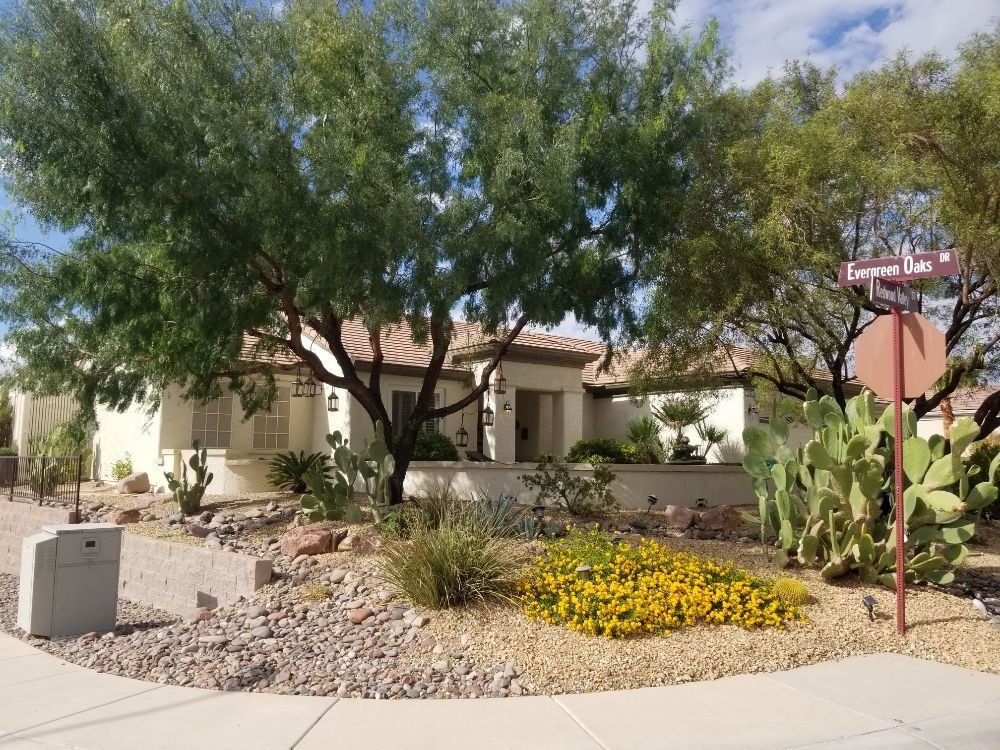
(673, 484)
(18, 520)
(174, 577)
(180, 577)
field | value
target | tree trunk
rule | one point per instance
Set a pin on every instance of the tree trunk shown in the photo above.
(947, 416)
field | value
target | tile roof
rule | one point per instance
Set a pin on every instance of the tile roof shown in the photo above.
(400, 350)
(967, 400)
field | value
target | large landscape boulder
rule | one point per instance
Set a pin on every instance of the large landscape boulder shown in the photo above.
(314, 539)
(679, 517)
(721, 518)
(134, 484)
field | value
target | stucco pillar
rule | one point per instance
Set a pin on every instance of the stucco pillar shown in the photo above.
(500, 438)
(567, 420)
(545, 407)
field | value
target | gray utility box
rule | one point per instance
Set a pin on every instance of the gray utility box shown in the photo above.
(69, 579)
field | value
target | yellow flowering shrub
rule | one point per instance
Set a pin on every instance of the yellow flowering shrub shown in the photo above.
(632, 590)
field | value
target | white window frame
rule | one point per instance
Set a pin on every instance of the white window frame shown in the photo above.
(271, 428)
(212, 422)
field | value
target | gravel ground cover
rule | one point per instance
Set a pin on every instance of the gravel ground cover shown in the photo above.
(328, 625)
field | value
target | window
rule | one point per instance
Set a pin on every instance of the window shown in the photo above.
(212, 423)
(403, 404)
(270, 428)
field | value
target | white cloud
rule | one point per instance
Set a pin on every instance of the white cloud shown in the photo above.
(853, 35)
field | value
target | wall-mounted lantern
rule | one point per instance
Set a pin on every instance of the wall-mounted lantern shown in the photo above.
(508, 409)
(298, 386)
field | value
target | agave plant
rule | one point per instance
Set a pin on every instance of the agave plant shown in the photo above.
(288, 470)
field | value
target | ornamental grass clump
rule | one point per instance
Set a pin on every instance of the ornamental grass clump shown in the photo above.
(459, 561)
(591, 585)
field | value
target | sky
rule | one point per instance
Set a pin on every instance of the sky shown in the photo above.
(853, 35)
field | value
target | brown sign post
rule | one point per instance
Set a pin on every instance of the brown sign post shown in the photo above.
(918, 359)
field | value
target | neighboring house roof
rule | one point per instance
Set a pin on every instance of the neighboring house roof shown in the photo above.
(967, 400)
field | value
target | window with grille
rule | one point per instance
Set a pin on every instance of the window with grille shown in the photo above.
(212, 423)
(270, 428)
(403, 404)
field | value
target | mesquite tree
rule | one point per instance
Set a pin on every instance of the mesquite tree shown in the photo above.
(226, 169)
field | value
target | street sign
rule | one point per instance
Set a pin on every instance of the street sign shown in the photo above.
(893, 295)
(923, 355)
(899, 267)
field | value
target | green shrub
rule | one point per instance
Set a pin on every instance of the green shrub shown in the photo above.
(644, 435)
(434, 446)
(122, 468)
(288, 470)
(459, 562)
(8, 451)
(580, 495)
(401, 522)
(603, 451)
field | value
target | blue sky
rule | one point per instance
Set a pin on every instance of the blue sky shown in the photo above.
(852, 35)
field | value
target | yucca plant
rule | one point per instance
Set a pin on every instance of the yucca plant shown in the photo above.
(288, 470)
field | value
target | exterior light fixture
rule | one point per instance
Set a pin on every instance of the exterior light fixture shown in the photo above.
(508, 409)
(539, 510)
(487, 417)
(298, 385)
(462, 436)
(309, 387)
(752, 409)
(500, 382)
(583, 571)
(652, 500)
(333, 401)
(869, 602)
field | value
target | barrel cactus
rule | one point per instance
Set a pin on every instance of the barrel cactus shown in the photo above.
(829, 503)
(334, 500)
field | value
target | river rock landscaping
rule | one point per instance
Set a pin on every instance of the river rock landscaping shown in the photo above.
(328, 624)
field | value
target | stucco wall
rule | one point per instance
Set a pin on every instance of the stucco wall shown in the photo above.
(672, 484)
(133, 433)
(611, 415)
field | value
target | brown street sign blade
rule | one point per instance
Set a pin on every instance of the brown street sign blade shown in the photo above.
(893, 295)
(899, 267)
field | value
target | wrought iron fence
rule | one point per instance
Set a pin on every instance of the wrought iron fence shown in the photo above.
(42, 479)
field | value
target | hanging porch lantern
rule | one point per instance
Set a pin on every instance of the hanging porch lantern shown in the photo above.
(508, 409)
(333, 401)
(310, 388)
(298, 385)
(462, 436)
(500, 382)
(487, 417)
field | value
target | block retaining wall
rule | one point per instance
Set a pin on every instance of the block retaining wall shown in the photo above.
(167, 575)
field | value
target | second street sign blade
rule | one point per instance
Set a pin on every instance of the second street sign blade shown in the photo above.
(899, 267)
(893, 295)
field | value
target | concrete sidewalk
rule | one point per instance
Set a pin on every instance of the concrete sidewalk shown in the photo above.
(879, 701)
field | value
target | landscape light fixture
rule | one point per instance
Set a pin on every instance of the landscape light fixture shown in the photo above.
(462, 436)
(298, 385)
(652, 500)
(583, 571)
(539, 510)
(869, 602)
(500, 383)
(508, 409)
(333, 401)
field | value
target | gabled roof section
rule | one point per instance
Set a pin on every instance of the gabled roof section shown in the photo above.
(967, 400)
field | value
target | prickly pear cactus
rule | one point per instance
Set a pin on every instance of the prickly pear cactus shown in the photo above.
(334, 501)
(823, 503)
(188, 496)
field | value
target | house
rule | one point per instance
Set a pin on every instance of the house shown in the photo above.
(556, 393)
(964, 403)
